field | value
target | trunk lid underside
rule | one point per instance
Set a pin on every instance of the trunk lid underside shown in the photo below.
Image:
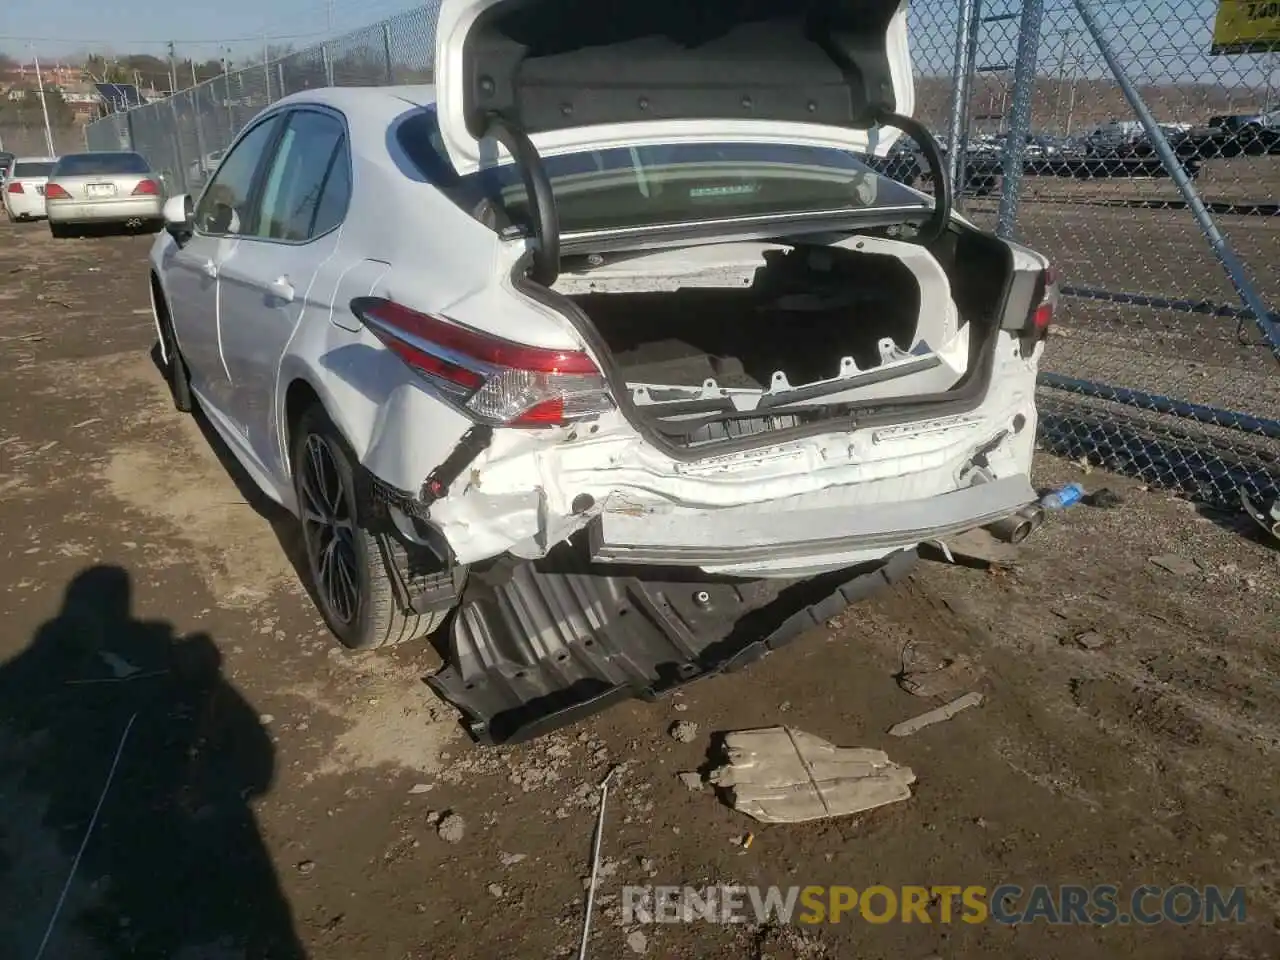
(581, 75)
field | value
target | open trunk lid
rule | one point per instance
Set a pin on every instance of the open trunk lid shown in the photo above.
(580, 75)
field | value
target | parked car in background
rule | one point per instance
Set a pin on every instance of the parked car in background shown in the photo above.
(114, 187)
(6, 161)
(1245, 123)
(198, 170)
(664, 392)
(24, 188)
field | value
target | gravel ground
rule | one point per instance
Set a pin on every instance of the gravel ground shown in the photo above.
(272, 797)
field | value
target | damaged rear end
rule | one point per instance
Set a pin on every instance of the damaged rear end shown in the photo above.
(738, 377)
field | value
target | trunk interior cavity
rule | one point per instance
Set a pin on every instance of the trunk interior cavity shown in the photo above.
(798, 314)
(727, 340)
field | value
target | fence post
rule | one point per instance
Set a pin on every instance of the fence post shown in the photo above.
(280, 76)
(328, 64)
(1222, 249)
(200, 140)
(386, 49)
(962, 76)
(231, 110)
(181, 173)
(1015, 141)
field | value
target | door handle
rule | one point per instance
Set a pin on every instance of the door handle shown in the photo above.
(282, 289)
(210, 268)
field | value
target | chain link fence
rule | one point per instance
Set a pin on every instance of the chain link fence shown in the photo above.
(1103, 133)
(28, 140)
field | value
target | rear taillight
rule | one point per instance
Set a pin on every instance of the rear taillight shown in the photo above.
(1042, 314)
(15, 187)
(54, 192)
(146, 188)
(497, 381)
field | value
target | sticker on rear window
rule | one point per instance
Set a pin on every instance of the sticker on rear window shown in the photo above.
(725, 190)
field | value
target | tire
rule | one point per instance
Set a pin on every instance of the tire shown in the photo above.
(176, 372)
(368, 615)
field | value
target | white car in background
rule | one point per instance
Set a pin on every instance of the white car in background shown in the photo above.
(24, 188)
(612, 345)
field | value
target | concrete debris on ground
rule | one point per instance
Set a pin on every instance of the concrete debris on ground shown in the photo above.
(637, 941)
(1090, 639)
(946, 680)
(451, 828)
(684, 731)
(119, 666)
(945, 712)
(692, 780)
(1178, 566)
(782, 775)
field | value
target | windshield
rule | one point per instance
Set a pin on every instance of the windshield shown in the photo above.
(32, 169)
(84, 164)
(670, 184)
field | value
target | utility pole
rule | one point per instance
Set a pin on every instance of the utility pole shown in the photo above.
(266, 66)
(44, 107)
(173, 71)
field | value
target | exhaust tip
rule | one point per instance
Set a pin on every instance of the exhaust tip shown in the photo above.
(1021, 529)
(1019, 525)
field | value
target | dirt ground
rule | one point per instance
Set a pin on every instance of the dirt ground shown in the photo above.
(272, 797)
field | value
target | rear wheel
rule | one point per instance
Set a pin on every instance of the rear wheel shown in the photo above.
(348, 575)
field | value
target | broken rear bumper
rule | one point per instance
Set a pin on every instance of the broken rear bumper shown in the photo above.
(536, 647)
(803, 534)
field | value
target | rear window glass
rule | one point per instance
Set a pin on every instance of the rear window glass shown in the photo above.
(84, 164)
(664, 184)
(32, 169)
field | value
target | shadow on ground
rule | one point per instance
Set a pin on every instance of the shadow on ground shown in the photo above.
(174, 865)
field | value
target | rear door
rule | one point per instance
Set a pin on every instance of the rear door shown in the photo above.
(191, 271)
(283, 270)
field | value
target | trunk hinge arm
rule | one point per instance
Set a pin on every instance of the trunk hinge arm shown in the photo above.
(542, 202)
(936, 225)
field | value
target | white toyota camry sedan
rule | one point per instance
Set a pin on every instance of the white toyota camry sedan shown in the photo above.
(610, 349)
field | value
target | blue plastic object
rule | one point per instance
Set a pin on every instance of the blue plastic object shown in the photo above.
(1063, 497)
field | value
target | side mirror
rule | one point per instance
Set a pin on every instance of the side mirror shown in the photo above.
(179, 217)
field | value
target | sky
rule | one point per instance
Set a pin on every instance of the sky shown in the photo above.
(200, 29)
(1161, 40)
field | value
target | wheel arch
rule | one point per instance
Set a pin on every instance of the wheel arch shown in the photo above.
(301, 392)
(160, 302)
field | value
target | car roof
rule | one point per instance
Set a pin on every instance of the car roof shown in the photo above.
(35, 159)
(369, 110)
(351, 100)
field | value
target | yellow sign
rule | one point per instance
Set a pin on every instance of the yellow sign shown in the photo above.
(1246, 26)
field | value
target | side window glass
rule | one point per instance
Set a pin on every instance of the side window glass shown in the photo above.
(224, 206)
(337, 193)
(311, 150)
